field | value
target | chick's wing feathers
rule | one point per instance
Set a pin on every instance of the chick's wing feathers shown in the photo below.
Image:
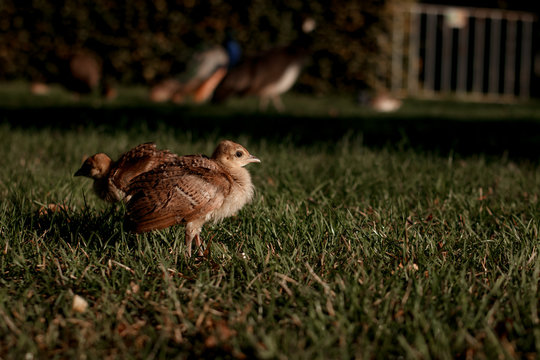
(175, 193)
(157, 209)
(138, 160)
(197, 163)
(163, 175)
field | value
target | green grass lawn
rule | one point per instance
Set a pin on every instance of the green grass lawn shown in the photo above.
(413, 234)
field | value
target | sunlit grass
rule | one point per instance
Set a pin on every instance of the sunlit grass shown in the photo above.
(346, 251)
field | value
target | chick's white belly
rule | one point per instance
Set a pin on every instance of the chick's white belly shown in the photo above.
(233, 203)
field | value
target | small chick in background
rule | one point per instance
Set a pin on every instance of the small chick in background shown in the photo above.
(193, 190)
(380, 101)
(111, 178)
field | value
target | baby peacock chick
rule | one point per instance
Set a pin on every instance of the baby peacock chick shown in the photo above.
(192, 190)
(112, 178)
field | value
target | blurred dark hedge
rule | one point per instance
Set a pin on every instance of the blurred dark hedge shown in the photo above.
(142, 41)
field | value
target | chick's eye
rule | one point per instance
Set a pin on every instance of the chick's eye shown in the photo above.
(239, 154)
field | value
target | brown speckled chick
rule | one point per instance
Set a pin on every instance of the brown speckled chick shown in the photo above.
(112, 178)
(192, 190)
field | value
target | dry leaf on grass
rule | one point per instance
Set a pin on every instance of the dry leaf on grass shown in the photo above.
(79, 304)
(52, 208)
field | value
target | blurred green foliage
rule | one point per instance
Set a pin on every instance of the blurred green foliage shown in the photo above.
(142, 41)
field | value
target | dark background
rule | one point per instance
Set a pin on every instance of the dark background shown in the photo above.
(144, 41)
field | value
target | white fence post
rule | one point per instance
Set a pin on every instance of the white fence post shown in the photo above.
(472, 52)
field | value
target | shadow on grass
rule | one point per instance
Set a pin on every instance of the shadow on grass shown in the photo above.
(97, 229)
(514, 136)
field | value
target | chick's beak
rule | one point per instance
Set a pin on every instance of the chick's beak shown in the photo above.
(83, 171)
(253, 159)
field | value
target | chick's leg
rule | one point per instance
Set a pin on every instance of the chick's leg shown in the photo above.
(193, 229)
(190, 234)
(198, 244)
